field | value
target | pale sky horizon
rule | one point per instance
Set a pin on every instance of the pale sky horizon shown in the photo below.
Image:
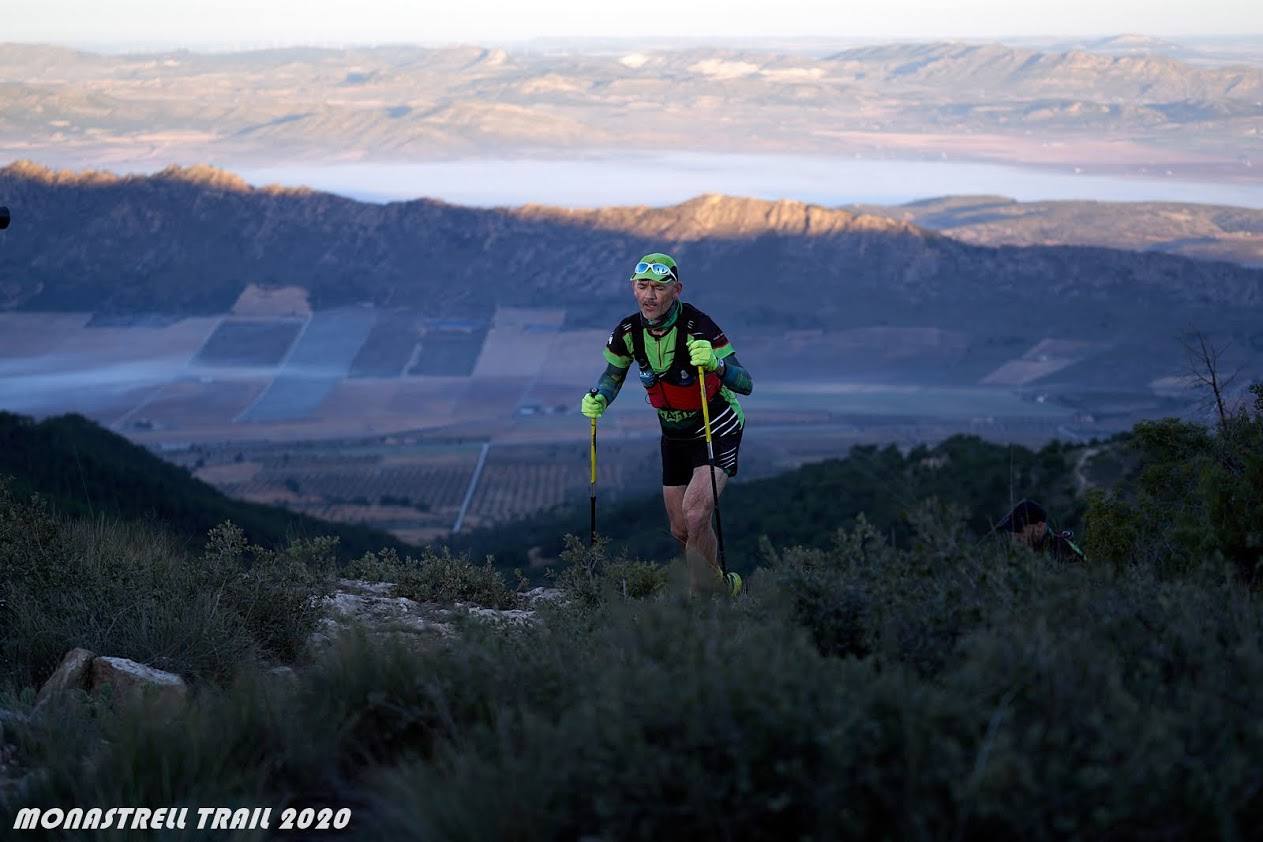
(218, 23)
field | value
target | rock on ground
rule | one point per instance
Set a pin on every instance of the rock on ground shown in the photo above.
(133, 681)
(371, 604)
(71, 674)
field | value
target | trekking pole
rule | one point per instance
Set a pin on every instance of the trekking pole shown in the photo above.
(710, 457)
(592, 481)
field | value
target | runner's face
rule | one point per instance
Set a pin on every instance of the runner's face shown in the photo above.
(655, 299)
(1030, 534)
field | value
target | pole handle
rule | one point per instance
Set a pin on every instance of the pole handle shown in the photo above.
(701, 381)
(592, 480)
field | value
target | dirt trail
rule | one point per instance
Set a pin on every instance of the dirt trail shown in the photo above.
(1080, 481)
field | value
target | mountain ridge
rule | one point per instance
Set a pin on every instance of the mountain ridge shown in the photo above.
(192, 239)
(715, 214)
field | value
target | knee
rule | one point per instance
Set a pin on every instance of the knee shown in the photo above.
(697, 518)
(680, 531)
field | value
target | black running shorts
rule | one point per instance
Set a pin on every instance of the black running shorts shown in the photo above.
(680, 457)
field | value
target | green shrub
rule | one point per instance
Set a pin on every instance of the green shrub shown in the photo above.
(1195, 500)
(863, 597)
(278, 595)
(132, 590)
(1113, 530)
(946, 689)
(437, 576)
(637, 579)
(589, 576)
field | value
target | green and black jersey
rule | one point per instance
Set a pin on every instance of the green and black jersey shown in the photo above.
(670, 380)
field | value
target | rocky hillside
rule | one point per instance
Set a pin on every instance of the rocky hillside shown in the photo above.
(190, 240)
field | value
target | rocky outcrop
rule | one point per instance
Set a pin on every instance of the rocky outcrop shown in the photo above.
(374, 607)
(73, 673)
(134, 683)
(129, 682)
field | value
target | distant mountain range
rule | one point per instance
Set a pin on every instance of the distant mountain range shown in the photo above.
(1212, 232)
(191, 240)
(1114, 103)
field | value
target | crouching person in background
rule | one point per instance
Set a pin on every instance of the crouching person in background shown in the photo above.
(1028, 524)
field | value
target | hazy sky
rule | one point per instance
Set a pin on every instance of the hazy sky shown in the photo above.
(258, 22)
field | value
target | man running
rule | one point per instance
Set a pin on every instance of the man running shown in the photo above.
(668, 340)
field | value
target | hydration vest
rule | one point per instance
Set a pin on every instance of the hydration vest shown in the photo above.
(1066, 550)
(675, 388)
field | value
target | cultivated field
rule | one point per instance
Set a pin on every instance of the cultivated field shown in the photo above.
(448, 348)
(260, 343)
(317, 362)
(389, 346)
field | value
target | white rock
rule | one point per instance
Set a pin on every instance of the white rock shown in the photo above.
(131, 682)
(357, 602)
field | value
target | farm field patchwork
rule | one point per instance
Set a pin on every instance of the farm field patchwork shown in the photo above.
(574, 356)
(35, 334)
(448, 348)
(389, 483)
(59, 362)
(514, 378)
(193, 403)
(389, 346)
(519, 342)
(317, 362)
(249, 342)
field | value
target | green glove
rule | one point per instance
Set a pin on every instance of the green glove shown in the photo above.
(593, 406)
(701, 353)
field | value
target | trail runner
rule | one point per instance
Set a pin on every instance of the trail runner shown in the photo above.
(668, 339)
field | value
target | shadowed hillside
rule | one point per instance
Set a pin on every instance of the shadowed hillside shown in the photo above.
(190, 240)
(84, 469)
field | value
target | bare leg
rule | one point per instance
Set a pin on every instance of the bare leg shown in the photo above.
(673, 497)
(702, 547)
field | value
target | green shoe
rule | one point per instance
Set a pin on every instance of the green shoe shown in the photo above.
(733, 581)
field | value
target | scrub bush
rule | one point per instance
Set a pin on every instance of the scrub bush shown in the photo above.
(437, 576)
(132, 590)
